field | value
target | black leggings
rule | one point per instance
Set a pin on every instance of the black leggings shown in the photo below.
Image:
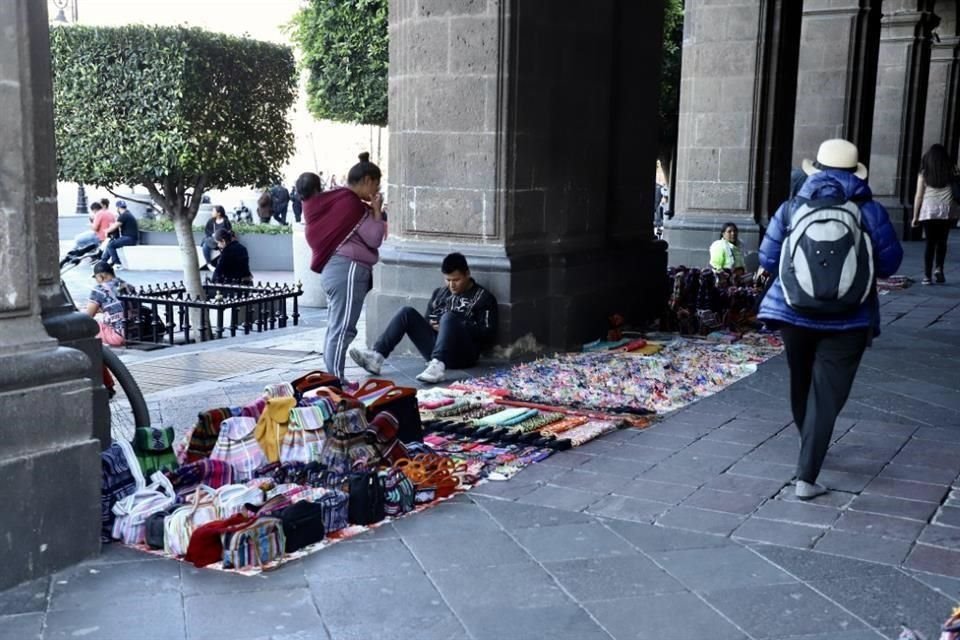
(936, 232)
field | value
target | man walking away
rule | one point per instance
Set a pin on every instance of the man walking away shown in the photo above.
(827, 245)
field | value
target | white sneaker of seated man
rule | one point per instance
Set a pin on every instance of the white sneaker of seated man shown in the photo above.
(369, 359)
(433, 373)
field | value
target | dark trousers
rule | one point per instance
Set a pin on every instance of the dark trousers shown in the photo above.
(451, 344)
(822, 365)
(936, 232)
(111, 251)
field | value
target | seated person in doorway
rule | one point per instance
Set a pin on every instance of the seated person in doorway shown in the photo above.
(233, 267)
(461, 319)
(104, 301)
(100, 221)
(126, 224)
(218, 220)
(727, 253)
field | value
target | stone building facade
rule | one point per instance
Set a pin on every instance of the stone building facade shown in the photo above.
(880, 73)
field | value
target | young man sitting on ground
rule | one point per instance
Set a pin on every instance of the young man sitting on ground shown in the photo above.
(461, 320)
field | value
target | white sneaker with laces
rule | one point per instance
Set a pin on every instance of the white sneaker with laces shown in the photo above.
(369, 359)
(433, 373)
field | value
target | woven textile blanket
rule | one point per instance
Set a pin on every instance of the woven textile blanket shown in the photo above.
(685, 370)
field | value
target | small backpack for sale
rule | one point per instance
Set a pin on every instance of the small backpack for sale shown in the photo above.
(826, 262)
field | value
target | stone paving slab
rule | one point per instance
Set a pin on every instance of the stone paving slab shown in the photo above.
(686, 529)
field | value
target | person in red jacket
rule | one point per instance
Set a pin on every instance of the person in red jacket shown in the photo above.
(344, 228)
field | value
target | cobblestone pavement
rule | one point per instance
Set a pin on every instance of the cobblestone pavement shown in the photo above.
(684, 530)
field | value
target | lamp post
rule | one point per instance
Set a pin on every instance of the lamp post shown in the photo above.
(67, 13)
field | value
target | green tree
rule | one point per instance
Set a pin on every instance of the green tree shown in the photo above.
(669, 100)
(177, 110)
(344, 50)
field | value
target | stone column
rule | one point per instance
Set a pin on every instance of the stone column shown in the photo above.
(939, 124)
(900, 110)
(737, 95)
(48, 460)
(504, 146)
(836, 81)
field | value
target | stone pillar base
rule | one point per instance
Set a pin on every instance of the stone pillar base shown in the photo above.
(49, 463)
(690, 237)
(561, 300)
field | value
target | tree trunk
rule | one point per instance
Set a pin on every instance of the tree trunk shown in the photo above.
(191, 273)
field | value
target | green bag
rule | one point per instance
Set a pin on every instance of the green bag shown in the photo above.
(154, 449)
(153, 439)
(150, 462)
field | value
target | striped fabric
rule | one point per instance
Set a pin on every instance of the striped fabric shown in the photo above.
(237, 447)
(335, 507)
(280, 390)
(255, 545)
(537, 422)
(564, 425)
(213, 473)
(205, 433)
(254, 409)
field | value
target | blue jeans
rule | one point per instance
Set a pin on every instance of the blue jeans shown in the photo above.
(110, 255)
(451, 344)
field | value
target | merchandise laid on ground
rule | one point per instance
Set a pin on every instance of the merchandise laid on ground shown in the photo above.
(308, 464)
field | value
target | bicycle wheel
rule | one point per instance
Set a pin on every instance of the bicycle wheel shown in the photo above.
(128, 409)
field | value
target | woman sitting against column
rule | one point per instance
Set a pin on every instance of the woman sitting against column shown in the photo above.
(934, 208)
(726, 253)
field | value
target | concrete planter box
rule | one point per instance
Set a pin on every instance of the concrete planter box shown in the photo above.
(267, 252)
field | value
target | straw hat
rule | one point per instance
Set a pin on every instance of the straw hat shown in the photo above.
(836, 154)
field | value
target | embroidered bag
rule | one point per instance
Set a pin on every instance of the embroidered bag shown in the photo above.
(154, 449)
(303, 441)
(335, 510)
(120, 477)
(255, 545)
(237, 447)
(302, 525)
(205, 433)
(206, 543)
(399, 493)
(347, 443)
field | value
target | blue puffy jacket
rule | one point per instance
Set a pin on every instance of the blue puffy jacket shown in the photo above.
(887, 252)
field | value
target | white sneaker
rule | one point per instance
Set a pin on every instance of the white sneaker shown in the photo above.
(807, 490)
(369, 359)
(433, 373)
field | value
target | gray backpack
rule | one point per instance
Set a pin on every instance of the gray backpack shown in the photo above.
(826, 262)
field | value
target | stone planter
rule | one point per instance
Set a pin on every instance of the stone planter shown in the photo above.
(313, 294)
(267, 252)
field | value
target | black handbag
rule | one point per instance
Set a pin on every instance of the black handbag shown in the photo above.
(401, 402)
(155, 529)
(302, 525)
(366, 498)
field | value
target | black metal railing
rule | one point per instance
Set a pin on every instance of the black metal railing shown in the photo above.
(157, 313)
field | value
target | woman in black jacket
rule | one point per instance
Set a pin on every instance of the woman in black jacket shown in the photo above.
(233, 267)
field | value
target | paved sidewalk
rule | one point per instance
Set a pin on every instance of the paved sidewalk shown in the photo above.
(684, 530)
